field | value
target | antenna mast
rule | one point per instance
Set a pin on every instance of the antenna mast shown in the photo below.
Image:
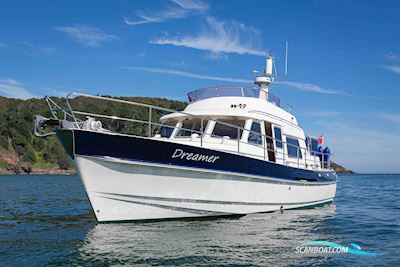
(286, 57)
(268, 77)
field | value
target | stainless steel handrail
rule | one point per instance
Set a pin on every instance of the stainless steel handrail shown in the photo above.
(285, 156)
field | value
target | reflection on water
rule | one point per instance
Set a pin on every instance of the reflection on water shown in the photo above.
(261, 239)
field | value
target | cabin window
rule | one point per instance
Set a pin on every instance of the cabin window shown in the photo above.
(293, 148)
(167, 128)
(278, 137)
(255, 136)
(191, 126)
(221, 130)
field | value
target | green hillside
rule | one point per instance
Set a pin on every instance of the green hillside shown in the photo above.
(21, 151)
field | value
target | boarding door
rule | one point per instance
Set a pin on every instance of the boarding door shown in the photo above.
(269, 141)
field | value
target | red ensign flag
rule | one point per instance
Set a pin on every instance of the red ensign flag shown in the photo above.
(320, 140)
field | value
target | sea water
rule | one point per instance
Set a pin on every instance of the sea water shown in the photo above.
(46, 220)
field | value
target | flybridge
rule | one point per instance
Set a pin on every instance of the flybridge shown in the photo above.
(264, 80)
(239, 91)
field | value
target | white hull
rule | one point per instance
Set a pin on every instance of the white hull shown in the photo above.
(124, 190)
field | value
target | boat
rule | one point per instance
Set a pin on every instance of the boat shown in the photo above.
(233, 150)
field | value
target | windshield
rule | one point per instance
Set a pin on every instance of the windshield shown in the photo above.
(191, 126)
(167, 128)
(239, 91)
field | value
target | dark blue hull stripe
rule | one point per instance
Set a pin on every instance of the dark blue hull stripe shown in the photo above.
(89, 143)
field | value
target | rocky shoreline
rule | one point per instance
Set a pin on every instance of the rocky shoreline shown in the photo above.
(38, 171)
(13, 164)
(340, 169)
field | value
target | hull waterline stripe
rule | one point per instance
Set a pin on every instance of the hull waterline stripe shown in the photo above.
(238, 176)
(202, 201)
(193, 211)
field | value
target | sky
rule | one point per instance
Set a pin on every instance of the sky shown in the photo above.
(344, 59)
